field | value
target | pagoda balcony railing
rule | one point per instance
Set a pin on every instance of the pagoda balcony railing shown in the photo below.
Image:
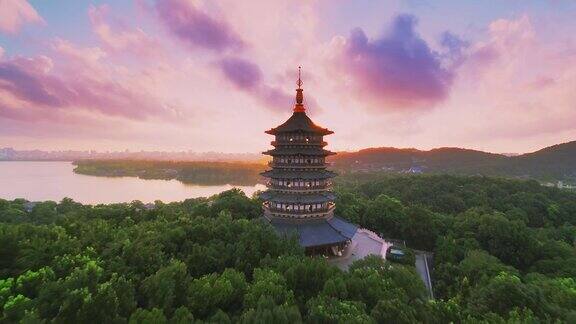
(269, 209)
(323, 186)
(300, 189)
(311, 143)
(273, 164)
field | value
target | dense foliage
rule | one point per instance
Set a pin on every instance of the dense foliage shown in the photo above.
(551, 164)
(193, 172)
(504, 252)
(503, 248)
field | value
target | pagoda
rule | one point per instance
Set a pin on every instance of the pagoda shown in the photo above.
(299, 199)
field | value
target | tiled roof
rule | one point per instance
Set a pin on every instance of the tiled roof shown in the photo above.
(317, 232)
(299, 121)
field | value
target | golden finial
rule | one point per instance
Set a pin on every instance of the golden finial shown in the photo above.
(299, 82)
(299, 107)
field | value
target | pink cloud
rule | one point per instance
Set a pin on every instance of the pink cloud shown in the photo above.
(195, 27)
(397, 70)
(15, 13)
(38, 88)
(519, 82)
(119, 37)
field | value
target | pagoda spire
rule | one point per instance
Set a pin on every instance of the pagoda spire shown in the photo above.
(299, 106)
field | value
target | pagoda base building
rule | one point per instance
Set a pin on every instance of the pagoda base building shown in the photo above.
(299, 199)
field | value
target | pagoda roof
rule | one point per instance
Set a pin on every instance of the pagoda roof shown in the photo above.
(299, 150)
(316, 232)
(299, 122)
(288, 174)
(297, 197)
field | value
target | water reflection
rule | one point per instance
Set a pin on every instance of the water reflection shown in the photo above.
(39, 181)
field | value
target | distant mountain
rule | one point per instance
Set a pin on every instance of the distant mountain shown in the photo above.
(395, 159)
(553, 163)
(557, 162)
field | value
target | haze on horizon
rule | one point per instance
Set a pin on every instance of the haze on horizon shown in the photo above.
(179, 75)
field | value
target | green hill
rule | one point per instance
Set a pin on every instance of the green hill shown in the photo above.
(554, 163)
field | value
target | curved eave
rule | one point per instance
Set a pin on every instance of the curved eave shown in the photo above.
(323, 132)
(317, 233)
(299, 122)
(301, 151)
(283, 174)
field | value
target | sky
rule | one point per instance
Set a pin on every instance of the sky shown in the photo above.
(174, 75)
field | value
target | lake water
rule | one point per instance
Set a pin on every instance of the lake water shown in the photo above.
(39, 181)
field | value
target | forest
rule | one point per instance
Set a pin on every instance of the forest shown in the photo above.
(504, 252)
(191, 172)
(550, 164)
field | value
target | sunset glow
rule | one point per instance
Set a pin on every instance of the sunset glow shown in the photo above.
(214, 75)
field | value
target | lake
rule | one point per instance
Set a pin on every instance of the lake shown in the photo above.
(39, 181)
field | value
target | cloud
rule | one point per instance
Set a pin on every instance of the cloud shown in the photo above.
(199, 28)
(118, 37)
(15, 13)
(37, 88)
(395, 71)
(455, 46)
(246, 76)
(518, 82)
(195, 27)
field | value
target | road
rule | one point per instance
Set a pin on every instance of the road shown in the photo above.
(423, 270)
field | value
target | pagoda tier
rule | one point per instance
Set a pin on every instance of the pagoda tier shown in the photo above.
(282, 174)
(300, 150)
(295, 198)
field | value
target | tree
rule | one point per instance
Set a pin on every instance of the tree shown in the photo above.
(306, 277)
(504, 293)
(268, 283)
(330, 310)
(235, 202)
(166, 289)
(182, 316)
(145, 316)
(15, 308)
(268, 311)
(385, 214)
(393, 311)
(479, 266)
(212, 292)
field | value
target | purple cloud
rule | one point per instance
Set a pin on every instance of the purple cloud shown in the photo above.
(397, 70)
(19, 77)
(195, 27)
(455, 47)
(243, 74)
(246, 76)
(30, 89)
(198, 29)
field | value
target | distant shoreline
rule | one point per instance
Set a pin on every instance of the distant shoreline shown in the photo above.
(188, 172)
